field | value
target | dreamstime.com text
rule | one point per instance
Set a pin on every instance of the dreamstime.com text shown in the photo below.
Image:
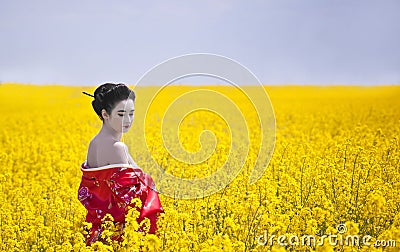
(333, 239)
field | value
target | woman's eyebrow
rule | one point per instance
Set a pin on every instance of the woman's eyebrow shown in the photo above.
(122, 110)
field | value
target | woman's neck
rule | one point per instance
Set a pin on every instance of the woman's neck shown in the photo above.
(110, 132)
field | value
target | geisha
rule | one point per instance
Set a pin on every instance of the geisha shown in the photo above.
(111, 179)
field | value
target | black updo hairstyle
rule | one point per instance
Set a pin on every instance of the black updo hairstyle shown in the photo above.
(108, 95)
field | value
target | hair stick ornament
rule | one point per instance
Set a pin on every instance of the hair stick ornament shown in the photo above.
(87, 94)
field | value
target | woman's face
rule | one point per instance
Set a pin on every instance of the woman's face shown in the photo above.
(121, 117)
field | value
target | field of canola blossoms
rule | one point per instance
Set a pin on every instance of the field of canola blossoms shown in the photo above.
(336, 163)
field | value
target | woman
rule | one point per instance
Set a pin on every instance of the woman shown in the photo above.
(111, 179)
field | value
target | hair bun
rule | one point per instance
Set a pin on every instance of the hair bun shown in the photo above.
(108, 94)
(100, 97)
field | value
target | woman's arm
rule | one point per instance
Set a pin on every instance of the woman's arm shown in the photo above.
(130, 159)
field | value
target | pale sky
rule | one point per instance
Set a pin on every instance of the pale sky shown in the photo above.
(90, 42)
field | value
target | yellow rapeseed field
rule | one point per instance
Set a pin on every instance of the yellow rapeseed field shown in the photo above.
(335, 170)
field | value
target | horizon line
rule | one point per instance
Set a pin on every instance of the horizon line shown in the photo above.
(209, 84)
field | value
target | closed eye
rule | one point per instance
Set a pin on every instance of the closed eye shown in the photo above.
(123, 115)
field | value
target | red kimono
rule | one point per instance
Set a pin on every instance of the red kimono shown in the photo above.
(110, 188)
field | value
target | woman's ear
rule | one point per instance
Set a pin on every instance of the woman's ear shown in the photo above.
(104, 114)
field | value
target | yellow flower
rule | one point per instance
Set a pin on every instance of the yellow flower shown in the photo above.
(335, 161)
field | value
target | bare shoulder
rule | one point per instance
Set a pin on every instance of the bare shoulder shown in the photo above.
(119, 147)
(119, 153)
(92, 153)
(102, 152)
(93, 143)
